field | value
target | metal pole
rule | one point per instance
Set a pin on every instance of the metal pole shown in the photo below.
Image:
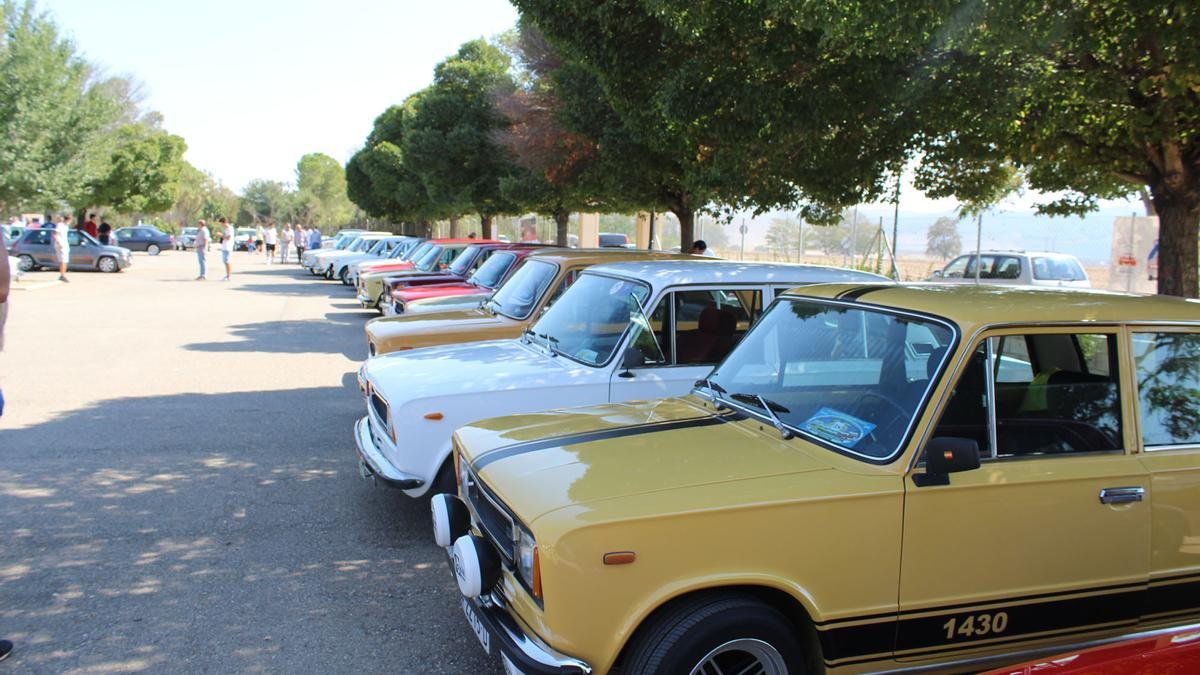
(853, 233)
(743, 230)
(800, 250)
(978, 243)
(650, 242)
(895, 230)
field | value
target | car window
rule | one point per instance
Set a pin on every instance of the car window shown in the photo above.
(491, 272)
(517, 296)
(571, 277)
(461, 262)
(838, 375)
(654, 341)
(73, 238)
(994, 267)
(957, 267)
(709, 323)
(38, 237)
(589, 322)
(1053, 394)
(1057, 269)
(1168, 378)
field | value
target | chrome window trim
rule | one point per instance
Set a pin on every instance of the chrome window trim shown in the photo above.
(989, 381)
(918, 410)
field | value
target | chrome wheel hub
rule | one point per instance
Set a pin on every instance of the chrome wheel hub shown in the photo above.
(744, 656)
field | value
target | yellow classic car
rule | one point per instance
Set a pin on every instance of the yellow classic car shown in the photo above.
(542, 277)
(878, 477)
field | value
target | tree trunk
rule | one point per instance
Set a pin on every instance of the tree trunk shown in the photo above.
(454, 226)
(1178, 229)
(485, 226)
(687, 227)
(562, 228)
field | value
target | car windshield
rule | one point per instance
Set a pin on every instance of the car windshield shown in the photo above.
(347, 243)
(400, 251)
(587, 322)
(848, 378)
(518, 296)
(428, 260)
(377, 247)
(491, 272)
(417, 252)
(189, 230)
(462, 263)
(1046, 268)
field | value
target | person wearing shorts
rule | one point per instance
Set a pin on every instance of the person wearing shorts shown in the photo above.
(271, 237)
(62, 246)
(226, 246)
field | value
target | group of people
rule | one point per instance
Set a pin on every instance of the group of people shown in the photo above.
(271, 240)
(278, 241)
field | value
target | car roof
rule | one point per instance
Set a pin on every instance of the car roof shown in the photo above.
(465, 240)
(698, 270)
(976, 306)
(595, 256)
(1001, 251)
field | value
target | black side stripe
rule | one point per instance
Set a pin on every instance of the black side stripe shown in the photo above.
(601, 435)
(1051, 615)
(856, 293)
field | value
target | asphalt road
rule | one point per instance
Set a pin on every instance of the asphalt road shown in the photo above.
(179, 490)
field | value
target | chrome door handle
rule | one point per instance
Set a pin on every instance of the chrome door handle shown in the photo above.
(1121, 495)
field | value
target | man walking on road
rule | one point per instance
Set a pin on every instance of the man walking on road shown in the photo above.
(271, 237)
(62, 246)
(301, 238)
(226, 246)
(203, 236)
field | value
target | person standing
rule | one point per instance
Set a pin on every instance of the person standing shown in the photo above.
(203, 236)
(105, 231)
(285, 241)
(258, 238)
(301, 238)
(314, 238)
(226, 246)
(271, 239)
(62, 246)
(90, 226)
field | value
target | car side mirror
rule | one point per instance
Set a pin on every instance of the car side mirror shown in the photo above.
(631, 358)
(945, 455)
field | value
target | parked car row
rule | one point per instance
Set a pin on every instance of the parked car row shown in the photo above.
(649, 462)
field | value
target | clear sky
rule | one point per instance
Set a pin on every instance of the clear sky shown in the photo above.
(252, 85)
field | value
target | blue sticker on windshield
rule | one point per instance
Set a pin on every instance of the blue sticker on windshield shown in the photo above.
(837, 427)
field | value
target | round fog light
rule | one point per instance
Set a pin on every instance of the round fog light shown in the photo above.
(450, 519)
(476, 565)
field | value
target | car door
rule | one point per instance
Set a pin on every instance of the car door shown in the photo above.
(1049, 539)
(1166, 366)
(83, 253)
(688, 332)
(39, 245)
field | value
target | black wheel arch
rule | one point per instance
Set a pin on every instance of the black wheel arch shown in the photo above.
(780, 601)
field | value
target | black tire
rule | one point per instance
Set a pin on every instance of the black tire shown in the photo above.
(107, 263)
(153, 249)
(679, 638)
(26, 263)
(344, 276)
(329, 273)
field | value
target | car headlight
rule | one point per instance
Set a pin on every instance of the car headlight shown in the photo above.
(528, 565)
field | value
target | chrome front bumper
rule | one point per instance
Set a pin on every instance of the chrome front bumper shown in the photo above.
(372, 463)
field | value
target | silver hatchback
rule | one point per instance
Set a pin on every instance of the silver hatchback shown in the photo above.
(35, 249)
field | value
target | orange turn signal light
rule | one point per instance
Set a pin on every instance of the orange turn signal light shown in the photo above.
(434, 416)
(537, 574)
(619, 558)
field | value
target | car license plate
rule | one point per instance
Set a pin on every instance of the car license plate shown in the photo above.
(481, 632)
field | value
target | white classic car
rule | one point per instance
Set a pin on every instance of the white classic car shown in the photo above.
(622, 331)
(1015, 268)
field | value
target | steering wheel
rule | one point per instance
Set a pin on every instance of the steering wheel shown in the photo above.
(900, 413)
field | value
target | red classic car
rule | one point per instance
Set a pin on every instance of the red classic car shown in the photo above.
(1174, 650)
(434, 261)
(502, 262)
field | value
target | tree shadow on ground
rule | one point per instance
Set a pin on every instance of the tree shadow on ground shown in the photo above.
(338, 333)
(217, 533)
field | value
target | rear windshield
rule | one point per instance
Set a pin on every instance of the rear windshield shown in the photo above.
(1057, 269)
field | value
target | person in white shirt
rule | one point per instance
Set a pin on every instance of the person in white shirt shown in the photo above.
(203, 237)
(226, 246)
(301, 240)
(271, 239)
(62, 246)
(285, 241)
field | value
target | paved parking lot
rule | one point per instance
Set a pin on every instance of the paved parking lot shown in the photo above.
(178, 488)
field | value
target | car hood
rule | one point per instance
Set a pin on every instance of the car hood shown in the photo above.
(436, 290)
(543, 462)
(382, 267)
(437, 328)
(418, 277)
(474, 368)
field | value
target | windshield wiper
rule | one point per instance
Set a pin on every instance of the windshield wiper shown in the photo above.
(770, 407)
(551, 342)
(713, 387)
(527, 336)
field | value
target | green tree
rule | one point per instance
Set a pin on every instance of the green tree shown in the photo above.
(783, 237)
(55, 111)
(942, 239)
(451, 139)
(320, 176)
(262, 201)
(143, 172)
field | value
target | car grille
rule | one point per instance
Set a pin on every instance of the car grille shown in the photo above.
(493, 519)
(380, 407)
